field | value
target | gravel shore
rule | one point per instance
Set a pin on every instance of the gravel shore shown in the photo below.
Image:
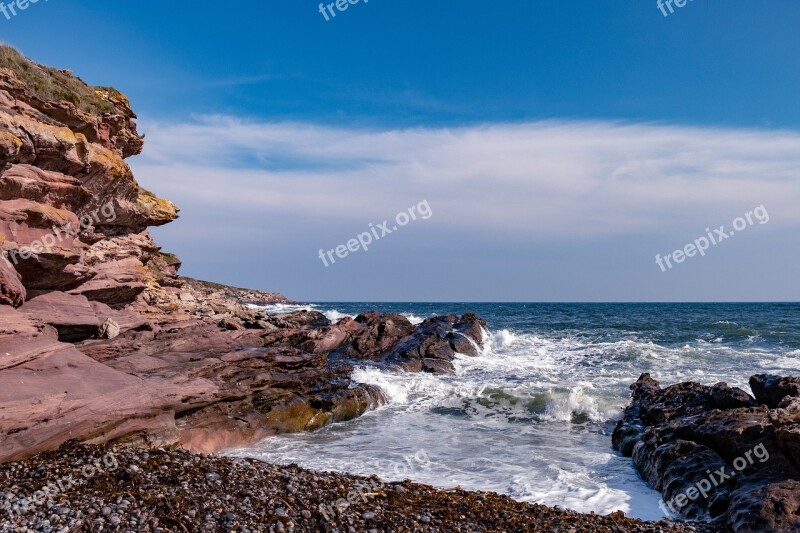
(95, 488)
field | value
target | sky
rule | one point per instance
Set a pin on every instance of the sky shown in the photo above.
(557, 148)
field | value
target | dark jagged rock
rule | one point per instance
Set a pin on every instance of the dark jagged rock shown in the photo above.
(372, 335)
(786, 422)
(383, 338)
(771, 390)
(742, 454)
(432, 346)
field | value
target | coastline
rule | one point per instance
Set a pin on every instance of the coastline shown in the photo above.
(102, 341)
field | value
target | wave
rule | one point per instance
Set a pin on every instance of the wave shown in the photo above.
(527, 377)
(731, 330)
(282, 309)
(450, 396)
(335, 316)
(576, 490)
(414, 319)
(577, 405)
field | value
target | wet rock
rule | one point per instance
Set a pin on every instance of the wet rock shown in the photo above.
(372, 335)
(772, 508)
(433, 344)
(786, 423)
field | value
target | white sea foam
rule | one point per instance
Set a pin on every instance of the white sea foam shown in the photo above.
(503, 339)
(414, 319)
(335, 316)
(283, 309)
(564, 407)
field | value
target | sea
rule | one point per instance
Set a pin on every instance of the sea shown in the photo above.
(532, 416)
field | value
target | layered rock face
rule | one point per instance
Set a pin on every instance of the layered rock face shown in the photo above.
(102, 341)
(718, 454)
(72, 217)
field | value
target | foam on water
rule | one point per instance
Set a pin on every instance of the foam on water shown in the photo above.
(282, 309)
(335, 316)
(332, 314)
(414, 319)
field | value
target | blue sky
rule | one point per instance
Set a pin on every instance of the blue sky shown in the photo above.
(561, 145)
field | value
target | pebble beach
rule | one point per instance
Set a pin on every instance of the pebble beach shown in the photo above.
(127, 489)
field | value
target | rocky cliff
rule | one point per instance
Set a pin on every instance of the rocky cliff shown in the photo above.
(72, 216)
(102, 341)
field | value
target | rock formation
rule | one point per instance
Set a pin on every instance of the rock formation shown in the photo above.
(102, 341)
(718, 454)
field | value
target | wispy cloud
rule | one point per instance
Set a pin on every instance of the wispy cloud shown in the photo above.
(532, 181)
(561, 211)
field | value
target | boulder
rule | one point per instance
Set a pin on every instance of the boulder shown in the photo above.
(771, 390)
(126, 319)
(432, 346)
(108, 330)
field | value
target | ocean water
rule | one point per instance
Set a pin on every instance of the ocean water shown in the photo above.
(532, 416)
